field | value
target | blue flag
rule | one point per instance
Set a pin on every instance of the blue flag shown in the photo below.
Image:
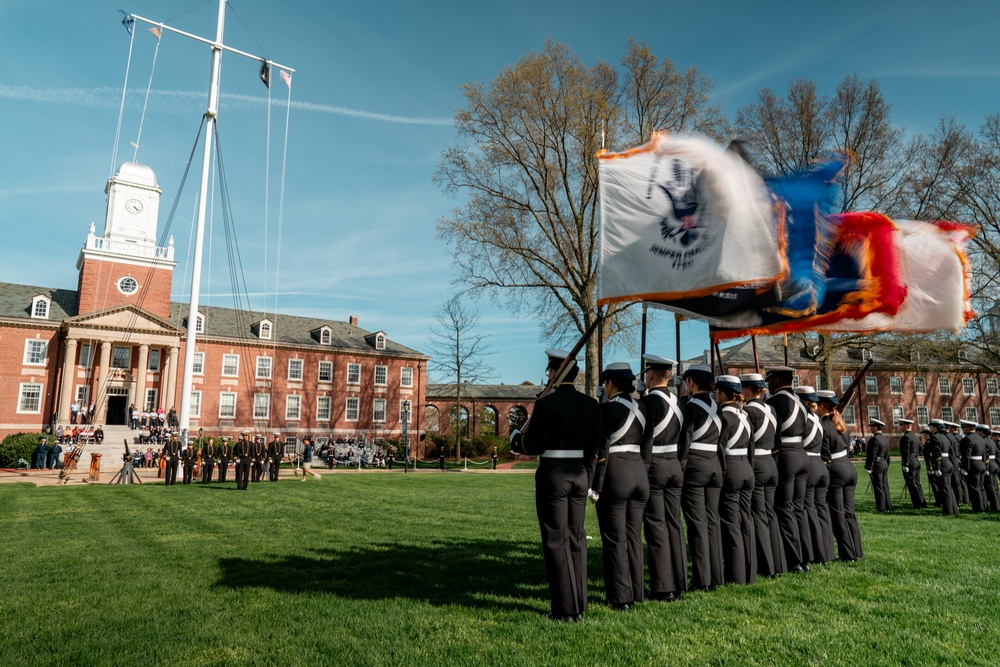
(127, 21)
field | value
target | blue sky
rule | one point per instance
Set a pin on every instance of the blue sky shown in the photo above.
(373, 96)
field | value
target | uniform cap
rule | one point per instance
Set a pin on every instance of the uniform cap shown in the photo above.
(926, 429)
(876, 422)
(700, 372)
(827, 396)
(729, 382)
(983, 427)
(937, 423)
(768, 370)
(966, 423)
(618, 371)
(557, 356)
(657, 363)
(904, 421)
(806, 393)
(951, 424)
(753, 380)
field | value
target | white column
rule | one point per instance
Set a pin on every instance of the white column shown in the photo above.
(140, 378)
(68, 379)
(101, 402)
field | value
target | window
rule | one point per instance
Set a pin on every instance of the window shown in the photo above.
(326, 371)
(406, 377)
(992, 387)
(324, 337)
(849, 417)
(199, 323)
(128, 285)
(944, 387)
(153, 361)
(919, 386)
(874, 413)
(30, 398)
(353, 409)
(293, 406)
(294, 369)
(35, 352)
(40, 308)
(196, 404)
(263, 368)
(381, 376)
(227, 405)
(261, 406)
(866, 355)
(323, 408)
(796, 381)
(405, 411)
(897, 413)
(230, 365)
(963, 355)
(85, 351)
(871, 385)
(895, 385)
(947, 414)
(914, 355)
(379, 342)
(378, 410)
(199, 363)
(353, 373)
(968, 388)
(972, 414)
(994, 417)
(121, 357)
(83, 394)
(923, 415)
(820, 383)
(265, 330)
(845, 382)
(151, 400)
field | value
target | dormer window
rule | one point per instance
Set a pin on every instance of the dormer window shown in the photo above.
(40, 307)
(264, 329)
(866, 355)
(963, 355)
(199, 323)
(380, 341)
(325, 336)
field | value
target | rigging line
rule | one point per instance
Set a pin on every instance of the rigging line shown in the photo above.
(121, 108)
(267, 189)
(211, 227)
(281, 202)
(188, 11)
(142, 118)
(252, 36)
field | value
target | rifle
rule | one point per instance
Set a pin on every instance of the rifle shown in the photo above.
(849, 392)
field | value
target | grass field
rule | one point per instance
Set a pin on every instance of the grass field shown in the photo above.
(431, 568)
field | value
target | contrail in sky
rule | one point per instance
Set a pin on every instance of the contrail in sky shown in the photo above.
(109, 98)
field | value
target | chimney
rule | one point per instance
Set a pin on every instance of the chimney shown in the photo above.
(354, 320)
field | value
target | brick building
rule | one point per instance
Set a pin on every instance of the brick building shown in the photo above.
(894, 388)
(487, 409)
(118, 340)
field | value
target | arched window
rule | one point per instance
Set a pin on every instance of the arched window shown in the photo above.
(460, 421)
(488, 421)
(379, 342)
(199, 323)
(324, 337)
(265, 330)
(517, 417)
(40, 307)
(432, 419)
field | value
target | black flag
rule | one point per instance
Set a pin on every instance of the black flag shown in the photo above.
(265, 74)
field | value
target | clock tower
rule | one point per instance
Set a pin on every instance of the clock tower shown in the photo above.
(126, 265)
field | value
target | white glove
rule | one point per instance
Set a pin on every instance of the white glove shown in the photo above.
(594, 497)
(599, 394)
(868, 471)
(905, 469)
(937, 473)
(640, 386)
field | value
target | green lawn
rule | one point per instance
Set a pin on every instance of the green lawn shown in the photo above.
(394, 569)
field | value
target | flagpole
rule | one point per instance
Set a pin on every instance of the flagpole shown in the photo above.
(642, 347)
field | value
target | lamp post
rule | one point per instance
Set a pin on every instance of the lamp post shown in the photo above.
(406, 437)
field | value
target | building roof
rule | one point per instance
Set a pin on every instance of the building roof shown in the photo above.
(15, 301)
(486, 392)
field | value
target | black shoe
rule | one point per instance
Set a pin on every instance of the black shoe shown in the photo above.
(797, 568)
(622, 606)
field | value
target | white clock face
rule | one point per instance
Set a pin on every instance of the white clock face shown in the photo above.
(133, 206)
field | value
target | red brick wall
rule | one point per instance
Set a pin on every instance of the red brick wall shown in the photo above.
(13, 372)
(502, 407)
(98, 288)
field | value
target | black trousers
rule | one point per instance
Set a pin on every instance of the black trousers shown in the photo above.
(561, 506)
(990, 486)
(739, 543)
(664, 529)
(619, 514)
(242, 473)
(257, 470)
(790, 504)
(275, 468)
(934, 482)
(700, 502)
(912, 480)
(958, 486)
(770, 553)
(880, 486)
(207, 468)
(818, 511)
(223, 469)
(170, 471)
(949, 504)
(188, 472)
(840, 499)
(974, 482)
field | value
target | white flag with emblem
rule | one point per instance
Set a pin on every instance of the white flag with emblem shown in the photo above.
(681, 217)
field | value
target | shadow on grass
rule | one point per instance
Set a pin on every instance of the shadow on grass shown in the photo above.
(475, 573)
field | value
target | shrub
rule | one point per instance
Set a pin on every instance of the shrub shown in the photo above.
(19, 445)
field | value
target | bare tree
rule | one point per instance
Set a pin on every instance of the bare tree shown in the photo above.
(527, 232)
(458, 353)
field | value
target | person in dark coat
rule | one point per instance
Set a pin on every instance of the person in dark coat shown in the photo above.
(275, 450)
(494, 457)
(940, 454)
(972, 449)
(441, 458)
(225, 453)
(54, 452)
(877, 466)
(818, 485)
(621, 486)
(208, 457)
(843, 478)
(41, 452)
(258, 452)
(909, 459)
(189, 457)
(992, 468)
(704, 464)
(244, 460)
(763, 424)
(662, 524)
(739, 543)
(933, 481)
(958, 484)
(171, 452)
(793, 466)
(565, 433)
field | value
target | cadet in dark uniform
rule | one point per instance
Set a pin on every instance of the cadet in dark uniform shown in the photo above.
(877, 466)
(225, 453)
(973, 451)
(441, 458)
(933, 481)
(764, 423)
(662, 522)
(275, 449)
(622, 486)
(390, 456)
(958, 485)
(208, 456)
(244, 460)
(818, 485)
(940, 456)
(171, 451)
(843, 478)
(992, 469)
(258, 452)
(189, 456)
(494, 457)
(739, 543)
(793, 466)
(565, 433)
(704, 464)
(909, 456)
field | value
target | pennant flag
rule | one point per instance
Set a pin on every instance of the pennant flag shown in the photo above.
(156, 31)
(265, 74)
(682, 218)
(127, 21)
(286, 77)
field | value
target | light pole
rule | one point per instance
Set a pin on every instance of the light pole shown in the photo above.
(406, 437)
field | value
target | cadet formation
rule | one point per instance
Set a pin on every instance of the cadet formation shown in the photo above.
(251, 458)
(738, 478)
